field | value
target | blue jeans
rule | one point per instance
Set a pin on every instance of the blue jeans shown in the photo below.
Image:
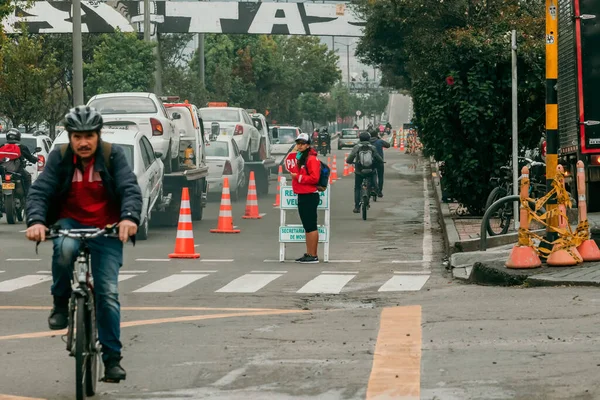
(107, 258)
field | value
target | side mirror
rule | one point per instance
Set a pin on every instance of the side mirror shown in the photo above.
(37, 149)
(176, 115)
(158, 154)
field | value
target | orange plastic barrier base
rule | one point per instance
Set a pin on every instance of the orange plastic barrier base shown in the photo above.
(589, 250)
(562, 258)
(523, 257)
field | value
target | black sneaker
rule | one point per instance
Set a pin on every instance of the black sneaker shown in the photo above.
(309, 260)
(59, 316)
(356, 210)
(302, 258)
(380, 194)
(113, 372)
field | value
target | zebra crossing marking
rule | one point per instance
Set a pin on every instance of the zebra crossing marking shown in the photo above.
(404, 283)
(24, 281)
(326, 283)
(248, 283)
(170, 283)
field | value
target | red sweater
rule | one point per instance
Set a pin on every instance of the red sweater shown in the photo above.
(308, 175)
(88, 202)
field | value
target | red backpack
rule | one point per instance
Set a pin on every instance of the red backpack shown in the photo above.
(10, 157)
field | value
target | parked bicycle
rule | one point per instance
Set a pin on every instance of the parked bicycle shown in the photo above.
(82, 334)
(500, 221)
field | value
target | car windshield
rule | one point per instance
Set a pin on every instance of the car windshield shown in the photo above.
(124, 105)
(219, 115)
(285, 135)
(350, 133)
(217, 149)
(31, 143)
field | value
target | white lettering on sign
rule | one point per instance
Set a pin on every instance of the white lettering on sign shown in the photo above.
(272, 14)
(296, 234)
(203, 19)
(289, 199)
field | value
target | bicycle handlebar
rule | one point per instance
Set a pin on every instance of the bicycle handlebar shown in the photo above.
(87, 233)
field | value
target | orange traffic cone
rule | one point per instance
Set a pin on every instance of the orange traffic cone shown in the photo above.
(184, 243)
(334, 169)
(252, 200)
(523, 256)
(225, 224)
(588, 248)
(277, 196)
(395, 141)
(401, 144)
(346, 166)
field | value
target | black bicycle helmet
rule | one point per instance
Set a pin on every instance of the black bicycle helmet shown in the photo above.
(324, 130)
(83, 119)
(364, 137)
(13, 136)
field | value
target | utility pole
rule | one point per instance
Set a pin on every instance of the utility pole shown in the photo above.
(515, 127)
(77, 55)
(148, 38)
(201, 57)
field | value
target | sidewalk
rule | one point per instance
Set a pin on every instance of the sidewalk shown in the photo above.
(468, 264)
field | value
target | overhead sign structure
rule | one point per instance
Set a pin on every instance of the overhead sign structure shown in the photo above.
(295, 233)
(190, 17)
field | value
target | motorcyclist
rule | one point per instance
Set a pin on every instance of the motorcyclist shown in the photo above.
(315, 135)
(325, 137)
(388, 127)
(13, 136)
(379, 145)
(354, 158)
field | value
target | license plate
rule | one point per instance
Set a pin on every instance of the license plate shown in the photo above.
(8, 186)
(118, 126)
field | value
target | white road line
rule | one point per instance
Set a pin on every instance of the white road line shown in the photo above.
(133, 271)
(268, 272)
(272, 261)
(153, 259)
(427, 237)
(170, 283)
(248, 283)
(124, 277)
(23, 259)
(344, 261)
(1, 272)
(404, 283)
(403, 262)
(331, 284)
(218, 260)
(339, 272)
(190, 271)
(25, 281)
(262, 214)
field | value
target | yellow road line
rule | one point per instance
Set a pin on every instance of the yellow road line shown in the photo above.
(128, 324)
(150, 308)
(396, 372)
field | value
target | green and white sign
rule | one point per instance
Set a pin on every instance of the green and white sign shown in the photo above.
(296, 234)
(289, 200)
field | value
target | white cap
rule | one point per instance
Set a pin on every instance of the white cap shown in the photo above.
(304, 137)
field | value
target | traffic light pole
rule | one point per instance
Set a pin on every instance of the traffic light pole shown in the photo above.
(551, 113)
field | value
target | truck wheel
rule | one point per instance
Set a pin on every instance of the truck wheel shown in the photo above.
(196, 203)
(247, 155)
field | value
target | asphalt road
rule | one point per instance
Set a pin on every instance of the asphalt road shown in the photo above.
(390, 323)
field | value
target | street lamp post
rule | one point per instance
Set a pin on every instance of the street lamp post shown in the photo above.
(77, 55)
(347, 61)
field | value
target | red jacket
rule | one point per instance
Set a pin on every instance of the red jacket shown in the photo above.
(308, 176)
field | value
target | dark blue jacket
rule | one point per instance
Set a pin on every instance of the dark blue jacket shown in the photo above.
(48, 193)
(379, 145)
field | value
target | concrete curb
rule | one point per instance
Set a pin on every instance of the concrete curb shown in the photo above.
(451, 236)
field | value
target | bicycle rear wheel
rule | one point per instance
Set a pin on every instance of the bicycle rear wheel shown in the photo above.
(81, 349)
(365, 205)
(92, 361)
(499, 222)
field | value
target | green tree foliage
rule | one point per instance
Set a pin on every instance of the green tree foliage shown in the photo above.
(121, 63)
(25, 80)
(454, 57)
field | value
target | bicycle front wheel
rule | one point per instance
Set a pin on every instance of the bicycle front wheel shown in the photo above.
(93, 359)
(365, 205)
(81, 349)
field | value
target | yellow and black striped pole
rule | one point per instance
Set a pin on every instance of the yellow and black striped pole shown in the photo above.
(551, 108)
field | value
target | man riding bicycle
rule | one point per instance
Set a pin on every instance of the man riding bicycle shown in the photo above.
(379, 145)
(87, 184)
(367, 159)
